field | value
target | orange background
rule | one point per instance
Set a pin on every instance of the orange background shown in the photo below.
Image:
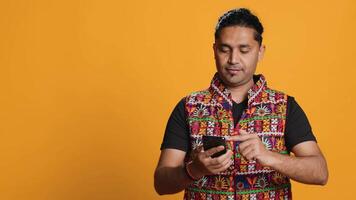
(87, 88)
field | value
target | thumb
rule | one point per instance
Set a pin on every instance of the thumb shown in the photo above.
(196, 151)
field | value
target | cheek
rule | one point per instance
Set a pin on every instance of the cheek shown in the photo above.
(250, 61)
(221, 59)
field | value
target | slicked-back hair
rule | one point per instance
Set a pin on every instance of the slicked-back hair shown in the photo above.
(240, 17)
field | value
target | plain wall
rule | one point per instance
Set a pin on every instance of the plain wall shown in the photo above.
(87, 88)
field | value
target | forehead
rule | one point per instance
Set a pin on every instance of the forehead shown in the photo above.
(237, 35)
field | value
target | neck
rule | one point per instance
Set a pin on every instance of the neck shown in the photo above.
(239, 93)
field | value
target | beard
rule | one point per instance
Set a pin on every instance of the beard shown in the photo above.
(233, 76)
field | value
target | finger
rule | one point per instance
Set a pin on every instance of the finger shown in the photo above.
(196, 151)
(225, 156)
(200, 148)
(221, 160)
(231, 138)
(244, 152)
(224, 167)
(219, 165)
(253, 142)
(250, 155)
(243, 132)
(214, 150)
(244, 144)
(240, 138)
(226, 161)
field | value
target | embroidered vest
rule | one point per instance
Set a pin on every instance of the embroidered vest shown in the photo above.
(210, 113)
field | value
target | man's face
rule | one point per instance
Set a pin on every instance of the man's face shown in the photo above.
(236, 55)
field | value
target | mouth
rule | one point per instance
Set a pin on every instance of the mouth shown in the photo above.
(233, 71)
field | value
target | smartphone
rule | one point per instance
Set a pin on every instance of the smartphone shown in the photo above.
(214, 141)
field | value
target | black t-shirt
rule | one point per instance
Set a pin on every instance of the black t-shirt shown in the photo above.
(297, 128)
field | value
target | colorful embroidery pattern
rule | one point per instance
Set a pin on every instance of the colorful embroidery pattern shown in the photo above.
(210, 113)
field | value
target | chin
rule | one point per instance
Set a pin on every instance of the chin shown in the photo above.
(234, 79)
(232, 83)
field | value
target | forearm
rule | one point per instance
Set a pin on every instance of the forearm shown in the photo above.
(307, 169)
(170, 180)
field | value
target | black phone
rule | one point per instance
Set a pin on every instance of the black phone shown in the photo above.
(214, 141)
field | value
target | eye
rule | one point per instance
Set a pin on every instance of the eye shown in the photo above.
(244, 50)
(224, 49)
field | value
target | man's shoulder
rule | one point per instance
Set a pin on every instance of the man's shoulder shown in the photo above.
(199, 92)
(284, 98)
(275, 91)
(197, 96)
(279, 94)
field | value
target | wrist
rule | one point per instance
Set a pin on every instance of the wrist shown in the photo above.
(272, 159)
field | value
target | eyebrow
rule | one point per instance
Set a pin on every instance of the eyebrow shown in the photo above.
(240, 46)
(244, 46)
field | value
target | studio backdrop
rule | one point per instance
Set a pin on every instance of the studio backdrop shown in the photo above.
(87, 87)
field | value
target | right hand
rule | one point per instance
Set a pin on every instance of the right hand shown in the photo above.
(203, 164)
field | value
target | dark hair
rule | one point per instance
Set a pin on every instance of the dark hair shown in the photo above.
(240, 17)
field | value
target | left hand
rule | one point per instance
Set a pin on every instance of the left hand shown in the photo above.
(252, 148)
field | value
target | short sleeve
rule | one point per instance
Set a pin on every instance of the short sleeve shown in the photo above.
(298, 128)
(176, 135)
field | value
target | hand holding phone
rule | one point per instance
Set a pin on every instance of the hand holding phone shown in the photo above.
(214, 141)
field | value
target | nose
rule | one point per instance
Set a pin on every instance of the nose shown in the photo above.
(234, 57)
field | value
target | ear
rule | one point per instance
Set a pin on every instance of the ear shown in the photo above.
(214, 49)
(261, 52)
(214, 46)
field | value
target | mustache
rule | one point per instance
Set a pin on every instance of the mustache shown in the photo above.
(234, 67)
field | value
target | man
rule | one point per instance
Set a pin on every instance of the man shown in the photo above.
(262, 126)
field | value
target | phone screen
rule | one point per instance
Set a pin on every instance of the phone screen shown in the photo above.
(214, 141)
